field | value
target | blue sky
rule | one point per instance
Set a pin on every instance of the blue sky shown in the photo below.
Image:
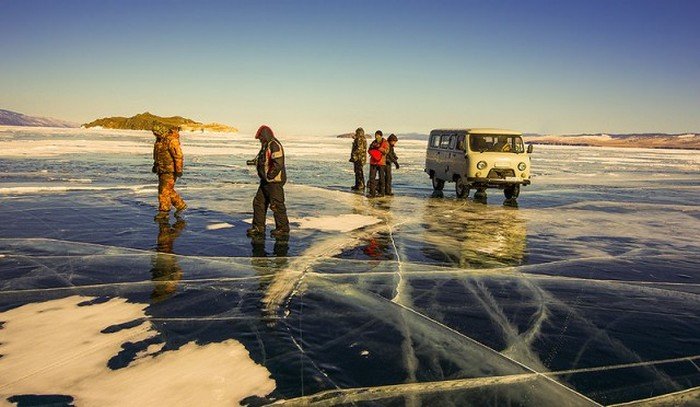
(326, 67)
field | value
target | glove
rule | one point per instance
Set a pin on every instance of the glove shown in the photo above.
(154, 169)
(252, 162)
(396, 164)
(178, 174)
(351, 160)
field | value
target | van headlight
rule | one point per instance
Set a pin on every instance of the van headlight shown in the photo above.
(481, 165)
(522, 166)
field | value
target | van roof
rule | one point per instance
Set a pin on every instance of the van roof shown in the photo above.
(484, 130)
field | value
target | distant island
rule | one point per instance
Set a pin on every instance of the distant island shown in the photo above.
(10, 118)
(146, 120)
(685, 141)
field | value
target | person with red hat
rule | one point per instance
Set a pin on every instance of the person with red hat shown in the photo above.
(273, 176)
(377, 164)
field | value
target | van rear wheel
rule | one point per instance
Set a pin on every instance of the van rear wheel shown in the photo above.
(461, 189)
(512, 191)
(438, 183)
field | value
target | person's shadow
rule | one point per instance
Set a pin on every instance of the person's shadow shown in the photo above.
(165, 270)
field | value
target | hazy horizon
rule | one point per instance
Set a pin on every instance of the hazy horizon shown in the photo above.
(327, 67)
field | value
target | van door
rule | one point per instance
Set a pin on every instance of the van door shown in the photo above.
(432, 158)
(453, 159)
(461, 160)
(444, 156)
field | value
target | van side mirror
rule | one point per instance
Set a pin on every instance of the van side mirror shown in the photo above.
(529, 148)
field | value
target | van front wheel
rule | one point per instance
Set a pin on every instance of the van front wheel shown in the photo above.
(438, 183)
(512, 191)
(461, 189)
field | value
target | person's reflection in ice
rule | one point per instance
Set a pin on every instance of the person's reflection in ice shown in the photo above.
(377, 248)
(268, 266)
(165, 271)
(279, 250)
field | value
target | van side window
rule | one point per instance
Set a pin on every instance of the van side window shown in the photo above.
(453, 141)
(445, 141)
(435, 141)
(460, 143)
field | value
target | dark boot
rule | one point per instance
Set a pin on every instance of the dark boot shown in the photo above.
(162, 215)
(181, 209)
(255, 231)
(279, 233)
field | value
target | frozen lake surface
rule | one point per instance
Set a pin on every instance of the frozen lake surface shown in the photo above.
(586, 292)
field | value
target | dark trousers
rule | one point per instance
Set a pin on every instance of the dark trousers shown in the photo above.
(375, 170)
(387, 180)
(270, 195)
(359, 174)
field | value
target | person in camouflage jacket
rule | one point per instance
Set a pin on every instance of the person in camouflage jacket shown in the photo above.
(167, 163)
(358, 156)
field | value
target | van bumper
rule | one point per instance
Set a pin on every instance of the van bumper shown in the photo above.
(497, 182)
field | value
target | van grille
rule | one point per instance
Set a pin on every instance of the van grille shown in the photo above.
(500, 173)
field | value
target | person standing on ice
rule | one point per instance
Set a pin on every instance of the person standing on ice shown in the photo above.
(167, 163)
(273, 176)
(377, 164)
(358, 156)
(391, 159)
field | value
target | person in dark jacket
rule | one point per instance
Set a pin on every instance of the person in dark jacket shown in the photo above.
(377, 164)
(273, 176)
(391, 159)
(358, 156)
(167, 163)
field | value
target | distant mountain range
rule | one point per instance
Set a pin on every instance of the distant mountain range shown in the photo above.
(146, 120)
(401, 136)
(9, 118)
(686, 141)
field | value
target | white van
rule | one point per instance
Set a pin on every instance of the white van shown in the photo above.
(478, 158)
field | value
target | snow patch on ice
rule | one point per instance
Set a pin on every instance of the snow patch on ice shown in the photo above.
(342, 223)
(217, 226)
(61, 347)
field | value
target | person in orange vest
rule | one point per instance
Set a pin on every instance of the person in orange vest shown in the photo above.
(377, 164)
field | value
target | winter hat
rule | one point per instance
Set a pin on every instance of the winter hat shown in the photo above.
(159, 129)
(264, 133)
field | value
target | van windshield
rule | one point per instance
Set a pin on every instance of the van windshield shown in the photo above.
(496, 143)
